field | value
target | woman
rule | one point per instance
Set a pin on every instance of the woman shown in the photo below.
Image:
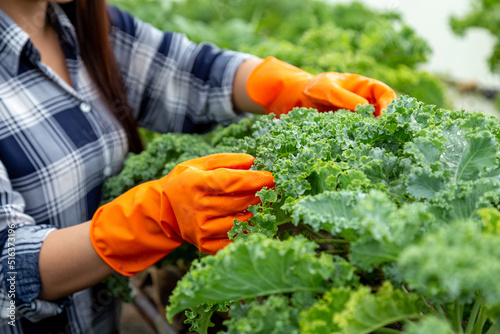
(76, 78)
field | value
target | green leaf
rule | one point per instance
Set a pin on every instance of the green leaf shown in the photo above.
(273, 315)
(318, 319)
(329, 211)
(257, 266)
(229, 136)
(199, 318)
(366, 312)
(323, 176)
(491, 220)
(454, 263)
(384, 168)
(380, 230)
(385, 230)
(353, 180)
(368, 255)
(263, 220)
(461, 201)
(359, 311)
(471, 155)
(430, 324)
(424, 184)
(365, 110)
(267, 196)
(453, 155)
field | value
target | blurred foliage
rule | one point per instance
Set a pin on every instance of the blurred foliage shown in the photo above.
(313, 35)
(484, 14)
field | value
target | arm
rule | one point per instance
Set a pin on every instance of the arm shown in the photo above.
(241, 99)
(40, 259)
(68, 263)
(64, 259)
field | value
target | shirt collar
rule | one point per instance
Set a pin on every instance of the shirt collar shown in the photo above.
(62, 24)
(14, 41)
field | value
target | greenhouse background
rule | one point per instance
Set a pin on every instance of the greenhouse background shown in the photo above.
(463, 59)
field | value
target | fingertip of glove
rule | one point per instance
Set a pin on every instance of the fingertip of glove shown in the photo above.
(212, 246)
(263, 179)
(228, 160)
(385, 101)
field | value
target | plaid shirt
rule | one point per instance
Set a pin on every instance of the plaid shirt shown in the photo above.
(58, 143)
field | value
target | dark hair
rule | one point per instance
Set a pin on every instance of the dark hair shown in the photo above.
(91, 22)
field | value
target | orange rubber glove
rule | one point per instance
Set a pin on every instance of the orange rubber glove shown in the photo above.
(279, 87)
(196, 202)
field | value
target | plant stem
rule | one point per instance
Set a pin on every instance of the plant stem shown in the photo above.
(310, 229)
(458, 317)
(493, 329)
(481, 320)
(442, 310)
(284, 221)
(321, 238)
(473, 315)
(333, 251)
(331, 241)
(432, 307)
(385, 330)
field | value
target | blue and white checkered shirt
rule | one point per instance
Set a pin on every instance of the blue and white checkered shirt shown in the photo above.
(58, 143)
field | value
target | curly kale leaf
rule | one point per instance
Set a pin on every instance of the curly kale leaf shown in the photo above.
(263, 220)
(200, 316)
(454, 263)
(273, 315)
(360, 311)
(318, 319)
(450, 157)
(258, 266)
(310, 152)
(377, 228)
(229, 136)
(430, 324)
(330, 211)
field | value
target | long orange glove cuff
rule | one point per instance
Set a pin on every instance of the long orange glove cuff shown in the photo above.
(279, 87)
(196, 202)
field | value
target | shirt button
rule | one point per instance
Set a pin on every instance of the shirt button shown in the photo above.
(85, 107)
(107, 171)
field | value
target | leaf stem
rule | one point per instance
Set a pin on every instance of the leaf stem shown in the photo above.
(310, 229)
(493, 329)
(435, 309)
(284, 221)
(333, 251)
(321, 238)
(458, 317)
(331, 241)
(385, 330)
(474, 314)
(481, 320)
(442, 310)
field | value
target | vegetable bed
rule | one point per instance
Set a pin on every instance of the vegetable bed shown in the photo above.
(376, 225)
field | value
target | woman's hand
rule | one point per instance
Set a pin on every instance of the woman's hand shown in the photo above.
(196, 202)
(279, 87)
